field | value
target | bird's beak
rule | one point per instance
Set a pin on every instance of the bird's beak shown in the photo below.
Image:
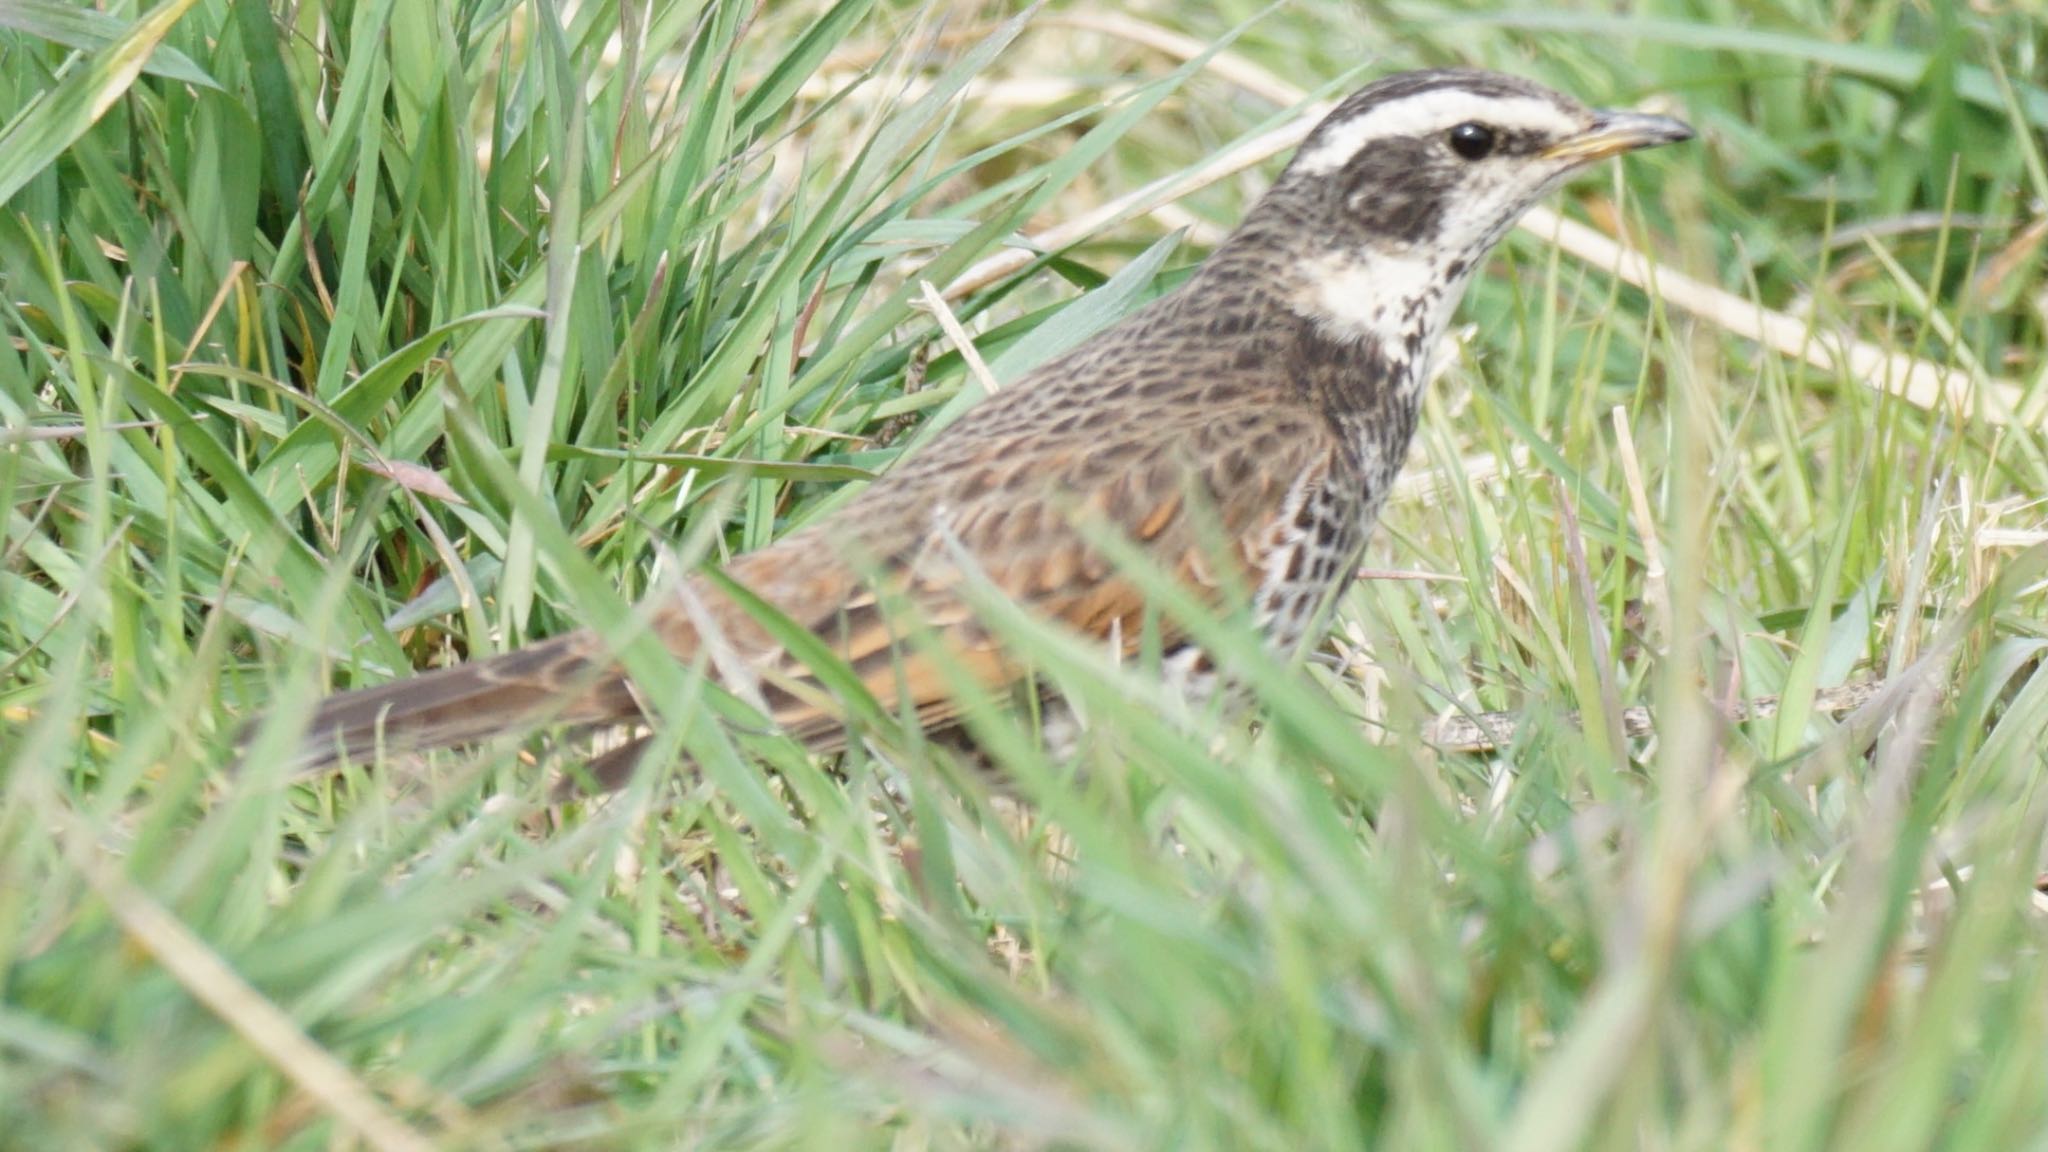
(1613, 133)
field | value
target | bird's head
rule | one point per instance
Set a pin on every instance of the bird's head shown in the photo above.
(1397, 195)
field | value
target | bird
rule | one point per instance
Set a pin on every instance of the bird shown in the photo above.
(1267, 402)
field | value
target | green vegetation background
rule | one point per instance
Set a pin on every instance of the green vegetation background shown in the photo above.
(346, 337)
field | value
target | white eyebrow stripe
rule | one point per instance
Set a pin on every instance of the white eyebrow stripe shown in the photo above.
(1436, 110)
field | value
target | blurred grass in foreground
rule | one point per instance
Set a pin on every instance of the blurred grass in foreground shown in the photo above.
(398, 330)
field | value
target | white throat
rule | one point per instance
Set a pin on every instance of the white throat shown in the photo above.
(1401, 303)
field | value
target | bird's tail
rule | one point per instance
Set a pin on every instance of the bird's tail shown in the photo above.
(566, 680)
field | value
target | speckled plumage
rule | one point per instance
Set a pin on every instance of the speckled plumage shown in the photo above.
(1272, 397)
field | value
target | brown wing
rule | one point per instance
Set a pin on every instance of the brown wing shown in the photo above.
(1208, 504)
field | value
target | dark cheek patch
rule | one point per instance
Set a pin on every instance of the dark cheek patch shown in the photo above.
(1396, 189)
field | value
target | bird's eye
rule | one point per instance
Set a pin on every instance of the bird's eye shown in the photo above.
(1472, 141)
